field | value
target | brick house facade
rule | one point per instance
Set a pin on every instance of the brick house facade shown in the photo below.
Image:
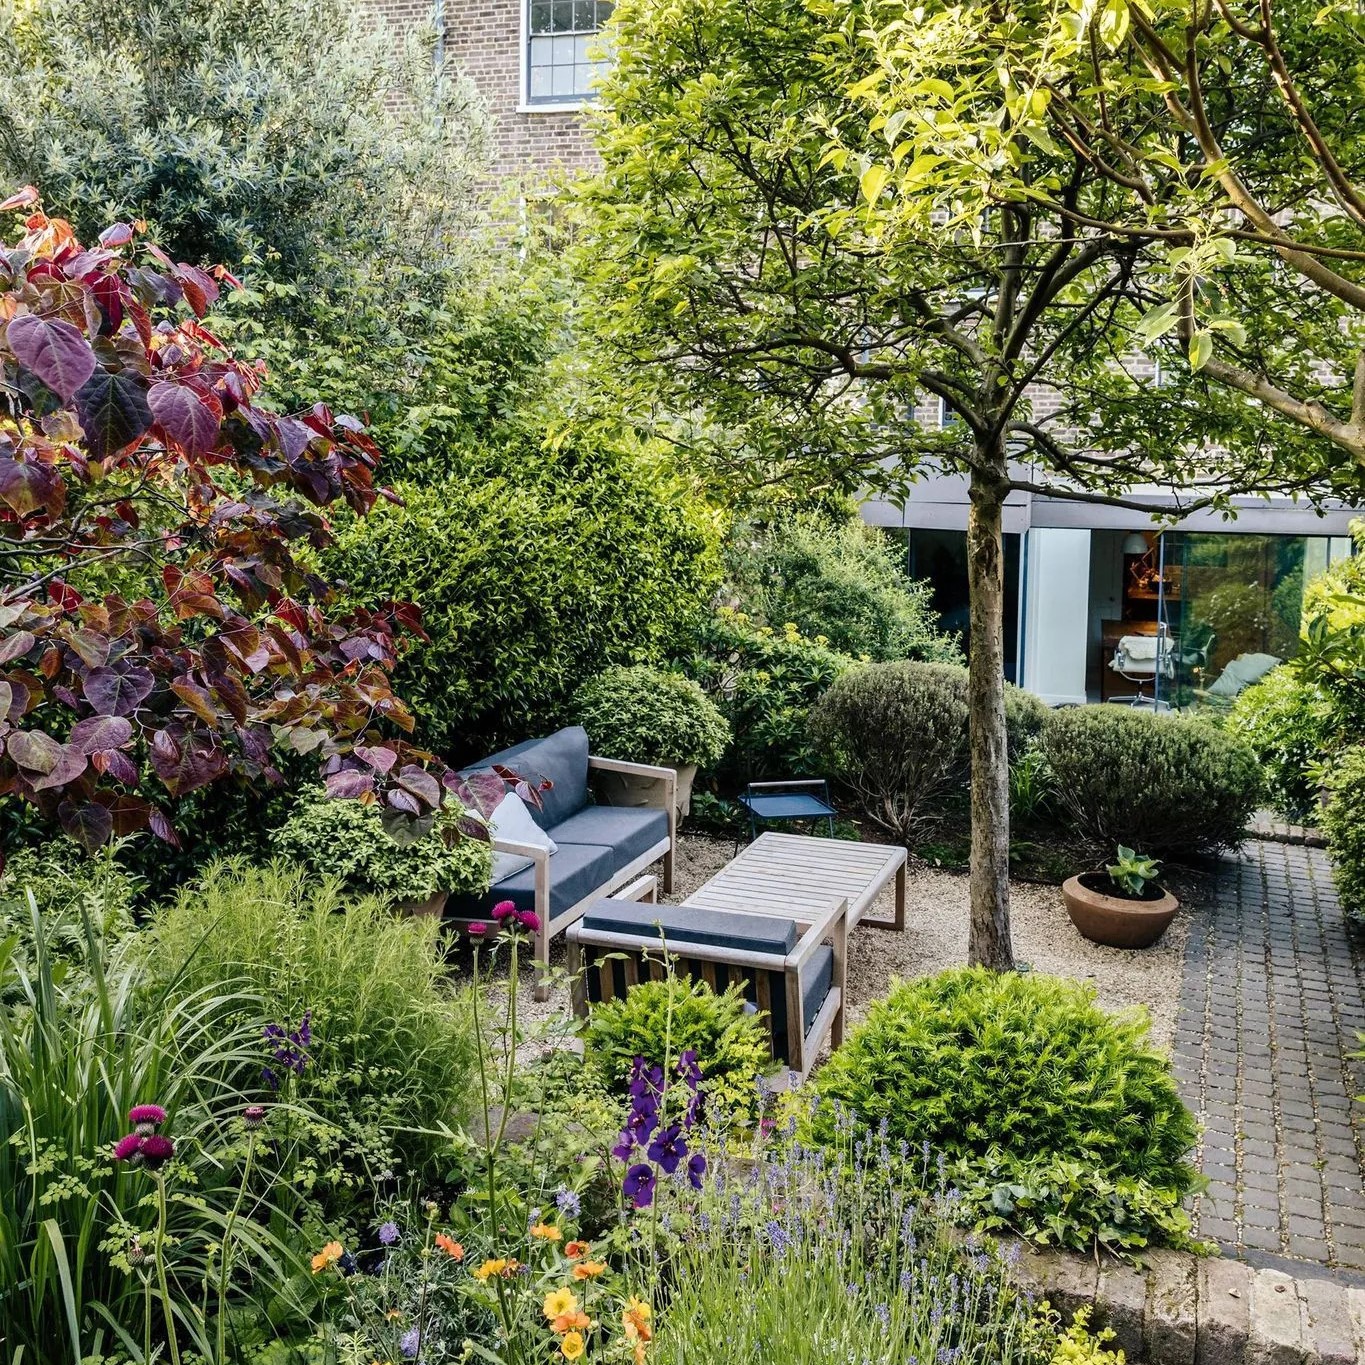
(533, 137)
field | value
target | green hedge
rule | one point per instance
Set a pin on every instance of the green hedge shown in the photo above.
(1290, 725)
(534, 569)
(1054, 1116)
(1343, 822)
(1166, 785)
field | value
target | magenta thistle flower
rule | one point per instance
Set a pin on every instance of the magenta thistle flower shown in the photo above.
(477, 930)
(504, 910)
(156, 1151)
(253, 1117)
(126, 1148)
(528, 919)
(146, 1118)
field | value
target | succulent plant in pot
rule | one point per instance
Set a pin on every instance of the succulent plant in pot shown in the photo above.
(1122, 905)
(644, 715)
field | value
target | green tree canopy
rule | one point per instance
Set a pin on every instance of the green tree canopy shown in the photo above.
(796, 234)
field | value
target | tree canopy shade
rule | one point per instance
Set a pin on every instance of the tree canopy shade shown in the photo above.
(787, 238)
(1230, 130)
(157, 627)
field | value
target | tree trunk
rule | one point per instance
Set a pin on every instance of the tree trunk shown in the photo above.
(989, 943)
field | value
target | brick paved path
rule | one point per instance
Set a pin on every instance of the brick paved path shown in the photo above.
(1270, 1006)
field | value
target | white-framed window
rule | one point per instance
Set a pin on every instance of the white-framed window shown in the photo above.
(560, 35)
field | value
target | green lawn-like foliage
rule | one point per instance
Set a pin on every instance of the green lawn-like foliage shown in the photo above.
(393, 1054)
(1167, 785)
(645, 715)
(1052, 1115)
(660, 1020)
(82, 1040)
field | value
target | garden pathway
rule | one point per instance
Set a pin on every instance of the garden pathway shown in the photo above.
(1270, 1008)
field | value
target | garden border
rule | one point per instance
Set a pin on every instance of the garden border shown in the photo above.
(1182, 1309)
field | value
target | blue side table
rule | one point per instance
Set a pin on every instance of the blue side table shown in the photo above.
(805, 798)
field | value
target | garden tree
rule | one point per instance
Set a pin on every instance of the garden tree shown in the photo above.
(1239, 156)
(133, 452)
(301, 141)
(769, 252)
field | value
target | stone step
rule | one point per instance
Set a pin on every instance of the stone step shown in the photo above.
(1179, 1309)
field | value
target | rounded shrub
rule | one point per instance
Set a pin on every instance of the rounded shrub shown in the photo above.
(660, 1020)
(1054, 1116)
(1288, 723)
(897, 734)
(643, 714)
(1169, 786)
(346, 839)
(1343, 822)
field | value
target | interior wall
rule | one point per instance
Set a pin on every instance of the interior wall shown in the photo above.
(1106, 597)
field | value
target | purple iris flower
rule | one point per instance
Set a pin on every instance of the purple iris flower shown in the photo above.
(668, 1148)
(638, 1186)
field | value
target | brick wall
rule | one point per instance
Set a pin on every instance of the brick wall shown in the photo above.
(483, 38)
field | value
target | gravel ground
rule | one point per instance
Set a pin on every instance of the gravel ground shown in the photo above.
(935, 937)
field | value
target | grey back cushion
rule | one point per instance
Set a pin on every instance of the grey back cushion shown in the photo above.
(560, 758)
(684, 924)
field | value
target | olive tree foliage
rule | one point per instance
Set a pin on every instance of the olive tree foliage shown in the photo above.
(1231, 130)
(790, 243)
(302, 142)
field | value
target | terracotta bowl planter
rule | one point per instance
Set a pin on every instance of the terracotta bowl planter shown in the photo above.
(433, 905)
(1116, 921)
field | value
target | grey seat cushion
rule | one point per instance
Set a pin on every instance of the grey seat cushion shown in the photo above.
(628, 831)
(576, 871)
(687, 924)
(561, 759)
(815, 983)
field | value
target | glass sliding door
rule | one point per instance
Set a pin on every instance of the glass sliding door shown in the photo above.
(1233, 604)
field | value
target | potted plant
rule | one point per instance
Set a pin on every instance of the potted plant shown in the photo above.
(1121, 906)
(343, 838)
(643, 715)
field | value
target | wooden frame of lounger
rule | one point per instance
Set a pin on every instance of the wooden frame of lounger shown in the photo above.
(643, 961)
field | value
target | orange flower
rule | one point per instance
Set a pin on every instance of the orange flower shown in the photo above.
(573, 1250)
(577, 1321)
(393, 1315)
(328, 1256)
(589, 1270)
(639, 1353)
(547, 1232)
(635, 1319)
(450, 1246)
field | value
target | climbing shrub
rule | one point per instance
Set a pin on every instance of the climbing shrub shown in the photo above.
(1052, 1116)
(1172, 786)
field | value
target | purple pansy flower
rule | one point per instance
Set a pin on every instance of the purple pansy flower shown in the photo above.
(638, 1186)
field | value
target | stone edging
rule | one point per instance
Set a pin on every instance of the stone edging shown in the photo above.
(1194, 1310)
(1279, 832)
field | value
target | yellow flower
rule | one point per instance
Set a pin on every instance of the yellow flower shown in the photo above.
(329, 1255)
(572, 1346)
(547, 1232)
(560, 1301)
(589, 1270)
(497, 1266)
